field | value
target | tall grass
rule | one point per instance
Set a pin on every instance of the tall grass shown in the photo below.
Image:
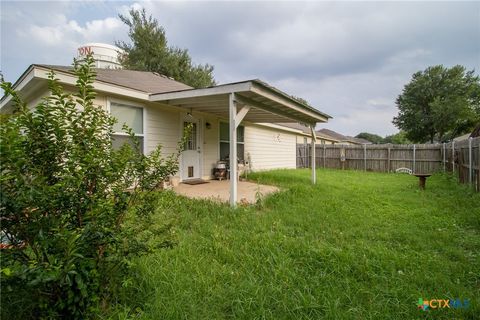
(355, 246)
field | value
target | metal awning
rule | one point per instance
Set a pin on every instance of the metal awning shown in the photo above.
(267, 104)
(253, 101)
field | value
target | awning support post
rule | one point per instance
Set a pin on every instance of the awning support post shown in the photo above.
(234, 120)
(232, 107)
(314, 139)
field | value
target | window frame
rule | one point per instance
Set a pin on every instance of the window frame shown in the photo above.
(144, 119)
(228, 141)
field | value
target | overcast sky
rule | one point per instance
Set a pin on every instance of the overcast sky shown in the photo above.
(348, 59)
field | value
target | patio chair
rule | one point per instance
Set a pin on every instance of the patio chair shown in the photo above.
(404, 170)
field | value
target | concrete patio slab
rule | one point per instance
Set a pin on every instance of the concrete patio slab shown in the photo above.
(220, 190)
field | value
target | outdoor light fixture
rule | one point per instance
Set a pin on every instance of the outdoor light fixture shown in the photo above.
(208, 125)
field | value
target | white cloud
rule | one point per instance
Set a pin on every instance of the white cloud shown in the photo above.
(47, 35)
(63, 31)
(125, 9)
(96, 28)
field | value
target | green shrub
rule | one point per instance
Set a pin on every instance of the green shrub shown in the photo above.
(65, 195)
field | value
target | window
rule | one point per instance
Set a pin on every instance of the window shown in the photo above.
(191, 139)
(225, 141)
(131, 116)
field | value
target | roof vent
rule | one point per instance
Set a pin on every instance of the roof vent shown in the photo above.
(106, 56)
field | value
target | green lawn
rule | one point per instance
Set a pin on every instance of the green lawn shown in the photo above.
(355, 246)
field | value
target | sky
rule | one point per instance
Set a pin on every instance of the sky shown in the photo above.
(348, 59)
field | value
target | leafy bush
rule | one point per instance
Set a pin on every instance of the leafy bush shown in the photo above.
(65, 195)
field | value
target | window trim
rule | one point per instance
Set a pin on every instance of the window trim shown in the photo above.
(133, 104)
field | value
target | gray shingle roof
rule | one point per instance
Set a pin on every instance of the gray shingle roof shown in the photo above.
(358, 140)
(149, 82)
(332, 134)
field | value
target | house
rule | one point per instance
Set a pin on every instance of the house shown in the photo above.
(357, 141)
(337, 138)
(236, 118)
(304, 135)
(462, 137)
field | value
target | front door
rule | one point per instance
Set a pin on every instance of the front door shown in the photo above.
(191, 152)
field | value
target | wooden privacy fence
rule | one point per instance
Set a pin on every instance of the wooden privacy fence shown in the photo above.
(462, 158)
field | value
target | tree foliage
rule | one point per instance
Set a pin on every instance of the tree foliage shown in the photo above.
(149, 51)
(373, 138)
(439, 103)
(65, 195)
(397, 138)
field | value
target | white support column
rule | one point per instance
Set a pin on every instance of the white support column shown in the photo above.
(314, 139)
(233, 149)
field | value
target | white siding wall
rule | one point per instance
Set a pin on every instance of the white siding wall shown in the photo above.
(300, 139)
(210, 145)
(162, 127)
(268, 148)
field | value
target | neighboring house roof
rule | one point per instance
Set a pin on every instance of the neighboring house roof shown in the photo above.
(332, 134)
(364, 141)
(358, 140)
(149, 82)
(462, 137)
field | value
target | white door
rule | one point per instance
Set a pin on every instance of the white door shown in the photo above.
(191, 152)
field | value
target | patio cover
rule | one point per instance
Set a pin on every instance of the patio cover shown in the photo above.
(254, 101)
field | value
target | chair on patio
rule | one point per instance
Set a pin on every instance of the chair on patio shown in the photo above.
(404, 170)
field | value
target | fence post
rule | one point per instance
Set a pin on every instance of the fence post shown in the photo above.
(453, 156)
(324, 155)
(388, 160)
(470, 166)
(444, 158)
(364, 157)
(413, 159)
(305, 153)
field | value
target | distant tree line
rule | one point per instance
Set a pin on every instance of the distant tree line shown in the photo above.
(397, 138)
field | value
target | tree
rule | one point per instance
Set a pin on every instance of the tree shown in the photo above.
(373, 138)
(438, 104)
(66, 194)
(397, 138)
(149, 51)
